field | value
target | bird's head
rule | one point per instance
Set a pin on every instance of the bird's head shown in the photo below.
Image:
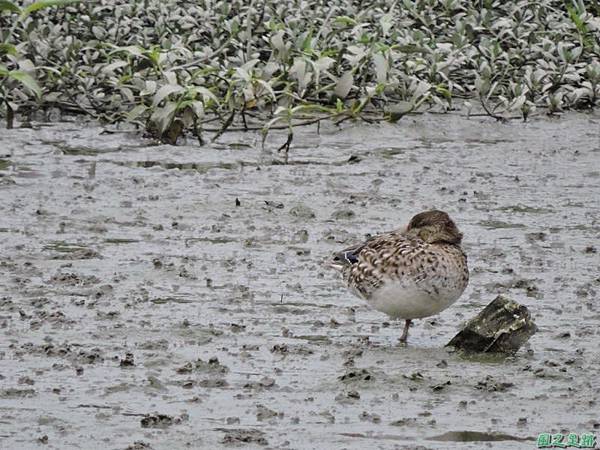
(434, 227)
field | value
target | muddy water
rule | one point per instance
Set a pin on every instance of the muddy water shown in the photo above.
(142, 307)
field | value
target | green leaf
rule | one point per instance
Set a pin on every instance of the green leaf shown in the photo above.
(136, 112)
(163, 117)
(41, 4)
(312, 108)
(386, 22)
(382, 67)
(440, 89)
(164, 92)
(268, 88)
(134, 50)
(206, 94)
(398, 110)
(277, 41)
(5, 5)
(346, 21)
(114, 66)
(8, 49)
(196, 106)
(266, 127)
(26, 80)
(306, 45)
(344, 84)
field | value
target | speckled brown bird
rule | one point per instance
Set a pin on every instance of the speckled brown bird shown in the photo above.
(409, 273)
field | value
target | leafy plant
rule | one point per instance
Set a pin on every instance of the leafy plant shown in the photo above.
(185, 67)
(19, 71)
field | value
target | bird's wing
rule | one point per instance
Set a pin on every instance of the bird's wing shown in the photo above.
(388, 256)
(349, 256)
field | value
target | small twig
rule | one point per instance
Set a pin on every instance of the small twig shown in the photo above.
(286, 146)
(503, 119)
(244, 117)
(490, 113)
(225, 126)
(342, 120)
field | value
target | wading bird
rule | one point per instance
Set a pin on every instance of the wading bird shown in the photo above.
(410, 273)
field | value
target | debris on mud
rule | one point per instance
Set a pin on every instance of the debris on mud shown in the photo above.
(357, 375)
(263, 383)
(82, 253)
(243, 436)
(212, 383)
(139, 445)
(349, 397)
(369, 417)
(127, 361)
(264, 413)
(212, 366)
(17, 393)
(73, 279)
(440, 386)
(343, 214)
(302, 211)
(406, 421)
(503, 326)
(491, 385)
(158, 421)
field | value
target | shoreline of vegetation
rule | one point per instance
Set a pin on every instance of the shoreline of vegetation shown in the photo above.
(179, 67)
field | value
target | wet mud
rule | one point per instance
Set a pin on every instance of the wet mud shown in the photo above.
(160, 297)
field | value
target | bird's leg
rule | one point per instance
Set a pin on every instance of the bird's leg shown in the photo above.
(404, 335)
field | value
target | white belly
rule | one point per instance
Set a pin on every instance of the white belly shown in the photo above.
(401, 301)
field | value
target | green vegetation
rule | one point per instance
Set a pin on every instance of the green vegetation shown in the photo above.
(190, 67)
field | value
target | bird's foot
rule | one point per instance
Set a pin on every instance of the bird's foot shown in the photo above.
(404, 336)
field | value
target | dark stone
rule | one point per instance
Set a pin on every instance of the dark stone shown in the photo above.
(502, 327)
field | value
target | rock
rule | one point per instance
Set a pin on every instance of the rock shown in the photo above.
(502, 327)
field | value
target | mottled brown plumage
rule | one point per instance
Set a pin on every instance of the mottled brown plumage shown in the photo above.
(411, 273)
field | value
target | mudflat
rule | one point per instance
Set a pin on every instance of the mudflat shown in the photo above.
(175, 296)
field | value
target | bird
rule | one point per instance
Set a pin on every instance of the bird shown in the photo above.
(413, 272)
